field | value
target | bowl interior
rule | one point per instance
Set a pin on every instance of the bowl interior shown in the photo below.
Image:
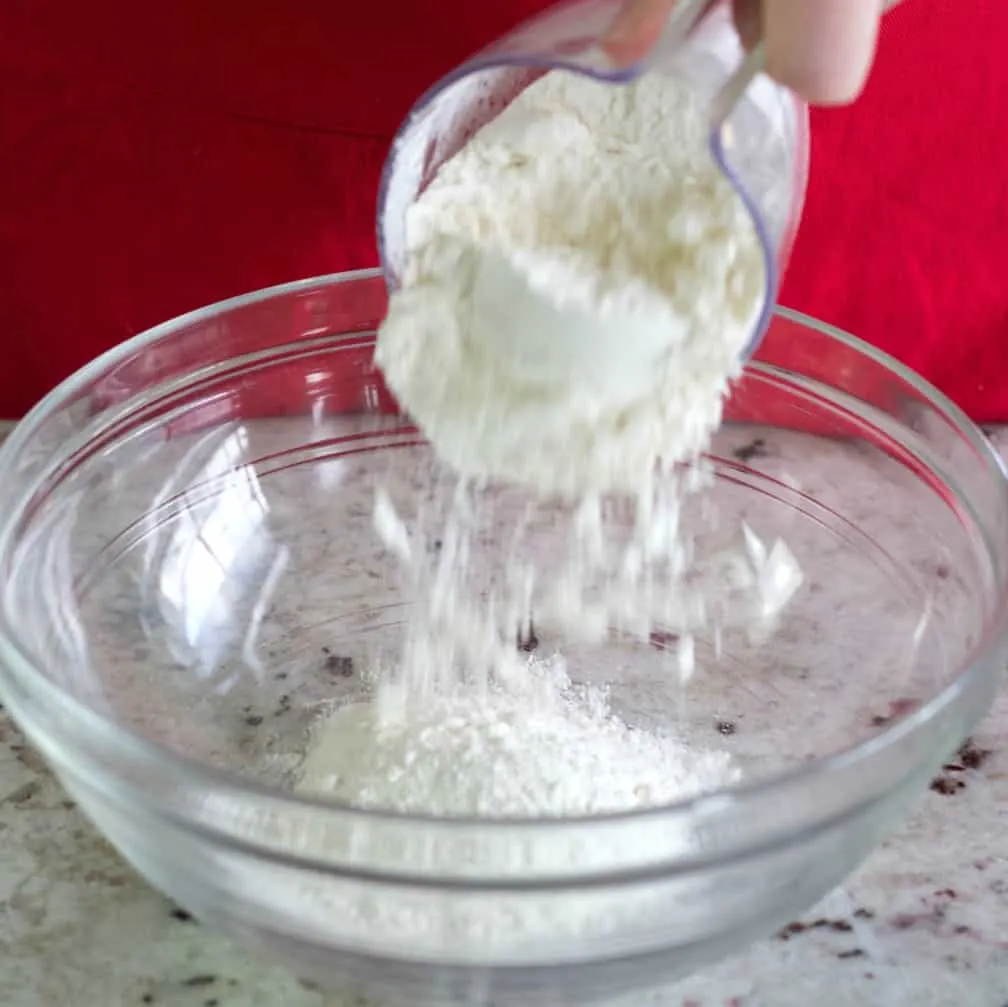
(196, 557)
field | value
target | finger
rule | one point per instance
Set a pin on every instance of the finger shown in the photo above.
(749, 21)
(821, 49)
(636, 29)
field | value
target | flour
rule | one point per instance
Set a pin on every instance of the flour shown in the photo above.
(537, 747)
(580, 284)
(542, 750)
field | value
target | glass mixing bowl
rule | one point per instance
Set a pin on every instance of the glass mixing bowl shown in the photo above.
(189, 574)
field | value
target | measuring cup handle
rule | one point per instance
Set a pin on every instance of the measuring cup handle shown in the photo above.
(731, 92)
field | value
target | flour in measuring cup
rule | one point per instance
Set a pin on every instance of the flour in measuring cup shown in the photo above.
(580, 283)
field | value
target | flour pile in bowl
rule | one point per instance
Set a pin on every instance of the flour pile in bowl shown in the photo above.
(543, 749)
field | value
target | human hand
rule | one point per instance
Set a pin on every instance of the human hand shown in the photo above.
(821, 49)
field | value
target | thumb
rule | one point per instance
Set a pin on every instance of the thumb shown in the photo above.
(822, 49)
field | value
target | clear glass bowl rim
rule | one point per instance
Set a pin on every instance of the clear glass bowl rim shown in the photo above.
(129, 747)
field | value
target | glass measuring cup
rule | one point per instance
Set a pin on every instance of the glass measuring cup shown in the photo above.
(759, 138)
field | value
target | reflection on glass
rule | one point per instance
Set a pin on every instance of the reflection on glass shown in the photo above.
(213, 555)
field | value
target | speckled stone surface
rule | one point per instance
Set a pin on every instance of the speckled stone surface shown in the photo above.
(924, 922)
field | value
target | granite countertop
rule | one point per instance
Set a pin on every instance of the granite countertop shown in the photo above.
(924, 922)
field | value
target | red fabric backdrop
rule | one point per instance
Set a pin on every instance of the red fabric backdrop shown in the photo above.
(155, 157)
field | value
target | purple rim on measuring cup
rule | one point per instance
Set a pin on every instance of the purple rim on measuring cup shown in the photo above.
(582, 50)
